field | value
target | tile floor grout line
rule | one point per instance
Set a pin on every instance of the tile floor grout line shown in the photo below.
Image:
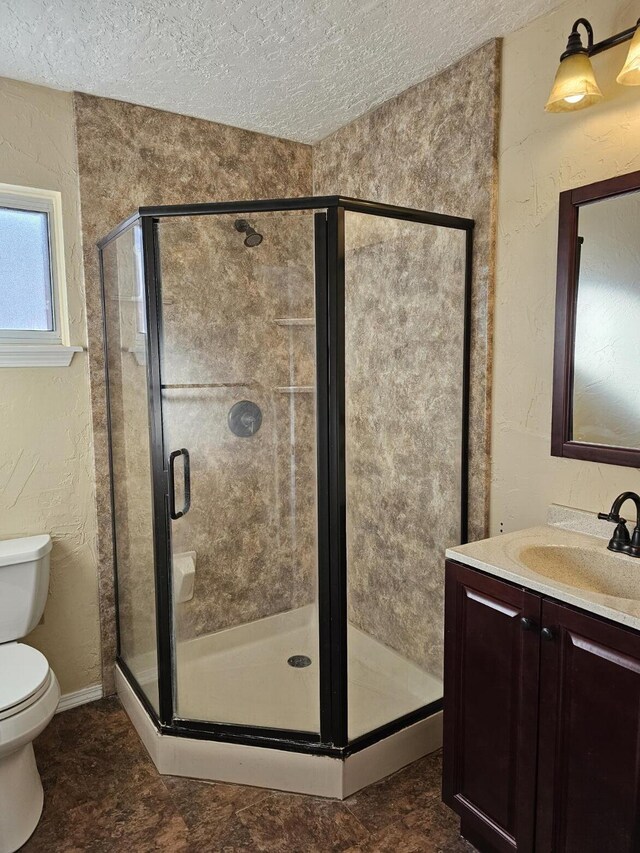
(357, 819)
(430, 797)
(267, 795)
(363, 824)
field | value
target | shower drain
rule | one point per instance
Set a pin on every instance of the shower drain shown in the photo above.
(299, 661)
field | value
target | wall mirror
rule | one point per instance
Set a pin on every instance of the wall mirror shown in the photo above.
(596, 387)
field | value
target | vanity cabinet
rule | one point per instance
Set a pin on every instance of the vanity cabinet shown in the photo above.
(491, 708)
(542, 721)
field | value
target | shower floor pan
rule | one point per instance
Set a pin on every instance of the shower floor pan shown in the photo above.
(241, 675)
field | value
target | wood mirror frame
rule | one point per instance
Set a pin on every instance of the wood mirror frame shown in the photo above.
(566, 299)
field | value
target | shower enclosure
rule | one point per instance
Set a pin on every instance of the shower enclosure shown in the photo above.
(287, 387)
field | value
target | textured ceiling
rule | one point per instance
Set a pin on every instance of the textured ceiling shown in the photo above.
(292, 68)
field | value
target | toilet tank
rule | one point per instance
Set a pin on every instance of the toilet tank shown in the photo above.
(24, 583)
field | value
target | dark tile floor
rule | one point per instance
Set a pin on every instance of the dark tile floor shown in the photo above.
(102, 793)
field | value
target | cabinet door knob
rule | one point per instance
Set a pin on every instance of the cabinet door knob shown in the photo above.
(547, 634)
(527, 624)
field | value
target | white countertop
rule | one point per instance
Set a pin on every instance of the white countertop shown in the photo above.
(501, 556)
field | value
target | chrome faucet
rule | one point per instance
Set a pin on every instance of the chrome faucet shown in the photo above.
(621, 541)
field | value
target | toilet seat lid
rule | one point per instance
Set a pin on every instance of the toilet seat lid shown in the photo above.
(23, 672)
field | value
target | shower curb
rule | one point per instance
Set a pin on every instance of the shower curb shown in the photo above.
(318, 775)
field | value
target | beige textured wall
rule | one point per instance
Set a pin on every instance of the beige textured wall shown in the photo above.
(433, 147)
(541, 155)
(46, 463)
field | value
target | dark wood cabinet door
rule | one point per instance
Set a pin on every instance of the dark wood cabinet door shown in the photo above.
(490, 708)
(589, 735)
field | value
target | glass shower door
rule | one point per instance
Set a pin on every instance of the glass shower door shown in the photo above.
(128, 403)
(239, 420)
(404, 389)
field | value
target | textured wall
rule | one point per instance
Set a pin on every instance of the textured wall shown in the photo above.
(130, 156)
(541, 155)
(433, 148)
(46, 466)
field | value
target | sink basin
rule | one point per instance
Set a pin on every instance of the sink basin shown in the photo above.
(603, 573)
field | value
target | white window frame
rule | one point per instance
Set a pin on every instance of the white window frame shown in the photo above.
(24, 348)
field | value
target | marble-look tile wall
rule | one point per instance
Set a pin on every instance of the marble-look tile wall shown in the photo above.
(130, 156)
(433, 148)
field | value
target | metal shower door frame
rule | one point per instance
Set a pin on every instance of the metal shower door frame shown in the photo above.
(329, 243)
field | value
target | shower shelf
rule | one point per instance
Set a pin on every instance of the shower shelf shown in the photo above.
(295, 321)
(295, 389)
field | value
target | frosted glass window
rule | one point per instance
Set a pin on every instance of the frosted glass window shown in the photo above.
(26, 298)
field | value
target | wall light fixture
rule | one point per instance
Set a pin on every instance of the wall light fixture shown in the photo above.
(575, 86)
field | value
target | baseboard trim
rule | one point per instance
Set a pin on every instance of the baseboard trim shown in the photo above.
(80, 697)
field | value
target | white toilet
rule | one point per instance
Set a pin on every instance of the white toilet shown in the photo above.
(29, 691)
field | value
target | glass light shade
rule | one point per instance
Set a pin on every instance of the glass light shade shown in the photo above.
(630, 74)
(575, 85)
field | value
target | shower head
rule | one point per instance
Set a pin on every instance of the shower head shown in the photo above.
(252, 238)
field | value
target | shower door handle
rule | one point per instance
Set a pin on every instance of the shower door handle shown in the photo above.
(172, 483)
